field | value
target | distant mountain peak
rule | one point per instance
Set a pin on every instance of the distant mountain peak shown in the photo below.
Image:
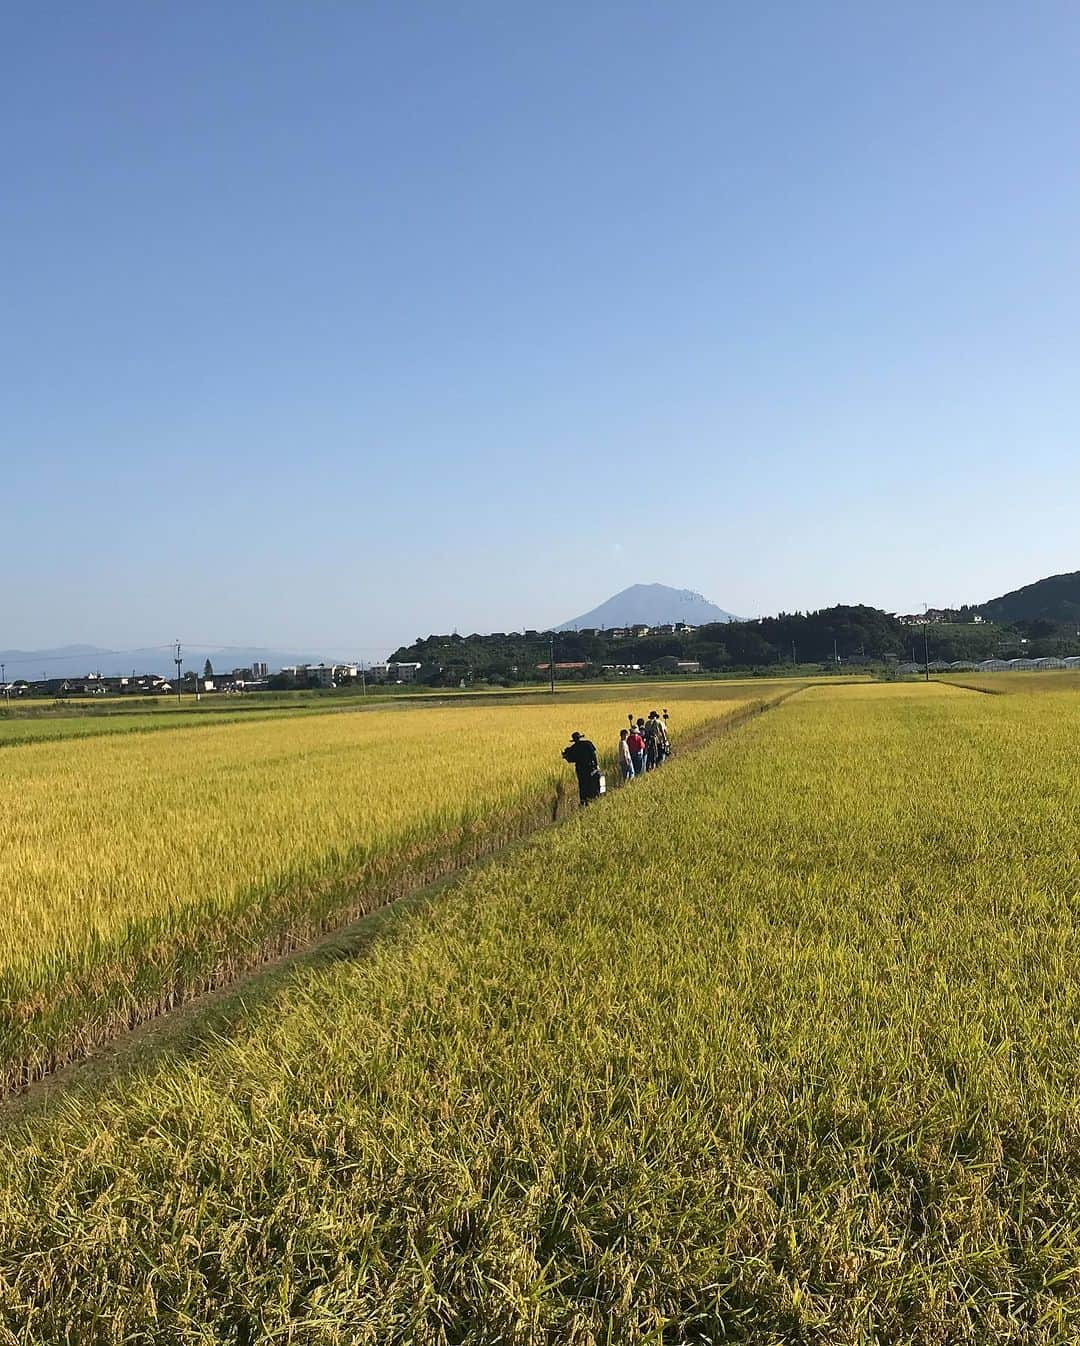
(650, 605)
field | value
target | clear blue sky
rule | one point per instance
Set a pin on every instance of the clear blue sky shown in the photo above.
(328, 324)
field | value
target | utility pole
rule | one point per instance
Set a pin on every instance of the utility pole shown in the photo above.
(551, 662)
(926, 650)
(177, 660)
(3, 679)
(835, 652)
(363, 678)
(794, 661)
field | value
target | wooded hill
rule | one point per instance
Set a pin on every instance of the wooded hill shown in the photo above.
(854, 635)
(1055, 599)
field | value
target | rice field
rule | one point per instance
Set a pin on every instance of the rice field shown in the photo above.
(782, 1047)
(1000, 683)
(141, 868)
(16, 730)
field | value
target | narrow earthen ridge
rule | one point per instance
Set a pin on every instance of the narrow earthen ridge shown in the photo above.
(967, 687)
(199, 1012)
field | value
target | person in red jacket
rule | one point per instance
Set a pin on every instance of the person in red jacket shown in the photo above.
(636, 744)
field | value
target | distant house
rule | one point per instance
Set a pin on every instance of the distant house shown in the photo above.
(393, 672)
(927, 618)
(562, 668)
(688, 666)
(640, 629)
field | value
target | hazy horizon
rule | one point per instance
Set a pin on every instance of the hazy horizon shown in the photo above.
(332, 327)
(345, 649)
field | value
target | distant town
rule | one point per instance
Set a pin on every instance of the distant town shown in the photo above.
(256, 678)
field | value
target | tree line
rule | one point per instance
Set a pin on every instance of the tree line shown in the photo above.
(846, 634)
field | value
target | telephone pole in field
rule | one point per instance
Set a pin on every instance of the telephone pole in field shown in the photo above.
(177, 660)
(551, 662)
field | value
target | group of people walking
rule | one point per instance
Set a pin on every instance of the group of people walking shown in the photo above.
(642, 747)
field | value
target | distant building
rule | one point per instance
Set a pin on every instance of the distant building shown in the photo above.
(927, 618)
(393, 672)
(688, 666)
(315, 675)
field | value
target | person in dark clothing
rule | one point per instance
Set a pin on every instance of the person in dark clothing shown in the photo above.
(582, 755)
(647, 730)
(662, 745)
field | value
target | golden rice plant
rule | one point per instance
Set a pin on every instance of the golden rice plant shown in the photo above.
(141, 868)
(784, 1047)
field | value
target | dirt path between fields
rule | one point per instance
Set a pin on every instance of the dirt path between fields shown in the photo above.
(967, 687)
(209, 1014)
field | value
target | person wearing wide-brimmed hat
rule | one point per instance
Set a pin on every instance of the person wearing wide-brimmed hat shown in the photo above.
(581, 753)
